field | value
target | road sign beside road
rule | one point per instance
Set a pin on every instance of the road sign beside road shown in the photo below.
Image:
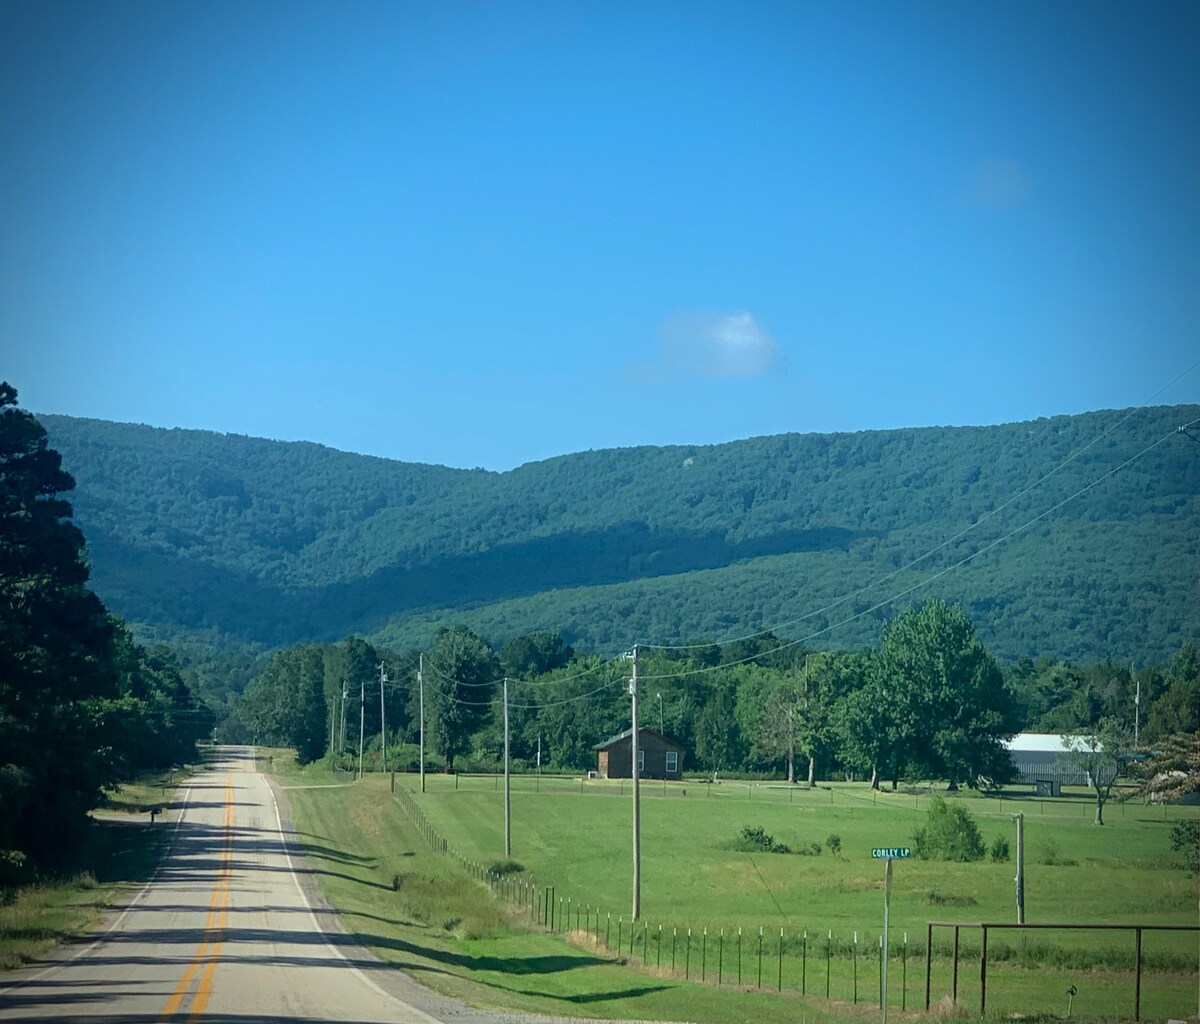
(889, 852)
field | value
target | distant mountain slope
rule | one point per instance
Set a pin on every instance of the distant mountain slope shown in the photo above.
(245, 540)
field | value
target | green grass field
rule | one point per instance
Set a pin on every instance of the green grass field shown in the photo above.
(575, 836)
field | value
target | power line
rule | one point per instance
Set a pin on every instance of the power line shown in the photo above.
(950, 540)
(917, 586)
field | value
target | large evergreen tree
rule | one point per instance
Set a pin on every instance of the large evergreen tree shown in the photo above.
(82, 706)
(58, 674)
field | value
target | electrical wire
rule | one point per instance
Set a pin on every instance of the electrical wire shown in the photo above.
(527, 682)
(950, 540)
(916, 586)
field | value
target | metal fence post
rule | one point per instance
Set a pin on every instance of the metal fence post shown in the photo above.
(928, 961)
(760, 935)
(954, 976)
(983, 971)
(1137, 975)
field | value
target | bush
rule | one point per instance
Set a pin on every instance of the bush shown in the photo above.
(999, 849)
(506, 867)
(1185, 836)
(755, 839)
(950, 833)
(1049, 852)
(834, 842)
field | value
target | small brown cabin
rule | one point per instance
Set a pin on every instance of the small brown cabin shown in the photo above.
(658, 757)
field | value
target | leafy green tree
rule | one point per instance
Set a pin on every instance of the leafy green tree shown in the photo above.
(534, 654)
(461, 671)
(953, 706)
(577, 707)
(878, 727)
(160, 719)
(1103, 755)
(1177, 708)
(285, 703)
(718, 740)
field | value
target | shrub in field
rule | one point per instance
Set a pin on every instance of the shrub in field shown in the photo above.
(834, 842)
(755, 839)
(949, 833)
(1000, 849)
(1049, 852)
(1185, 836)
(506, 867)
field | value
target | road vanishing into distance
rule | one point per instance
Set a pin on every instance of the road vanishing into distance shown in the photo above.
(228, 931)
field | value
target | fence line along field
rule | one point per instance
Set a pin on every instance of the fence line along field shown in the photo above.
(708, 872)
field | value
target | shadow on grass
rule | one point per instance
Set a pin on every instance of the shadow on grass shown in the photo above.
(597, 997)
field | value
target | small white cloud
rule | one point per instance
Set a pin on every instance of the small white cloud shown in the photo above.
(998, 182)
(714, 345)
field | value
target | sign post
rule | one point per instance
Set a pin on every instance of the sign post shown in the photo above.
(887, 854)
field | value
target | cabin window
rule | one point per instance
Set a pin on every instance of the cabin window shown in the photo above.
(672, 760)
(641, 760)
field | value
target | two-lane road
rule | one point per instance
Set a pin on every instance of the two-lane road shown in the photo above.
(223, 933)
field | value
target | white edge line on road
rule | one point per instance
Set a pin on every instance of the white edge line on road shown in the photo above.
(420, 1014)
(103, 936)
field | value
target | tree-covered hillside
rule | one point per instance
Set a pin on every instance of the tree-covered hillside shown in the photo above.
(236, 540)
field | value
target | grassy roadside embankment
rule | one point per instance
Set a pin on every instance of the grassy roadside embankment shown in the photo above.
(119, 854)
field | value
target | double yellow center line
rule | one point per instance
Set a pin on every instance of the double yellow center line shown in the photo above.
(204, 962)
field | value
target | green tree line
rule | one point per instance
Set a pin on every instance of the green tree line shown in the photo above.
(930, 701)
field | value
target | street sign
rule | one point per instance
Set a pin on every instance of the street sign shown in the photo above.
(889, 852)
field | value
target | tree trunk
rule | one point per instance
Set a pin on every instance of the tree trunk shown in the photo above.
(1099, 809)
(791, 764)
(874, 777)
(812, 772)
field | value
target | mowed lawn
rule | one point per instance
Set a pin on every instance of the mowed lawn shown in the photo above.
(691, 875)
(576, 836)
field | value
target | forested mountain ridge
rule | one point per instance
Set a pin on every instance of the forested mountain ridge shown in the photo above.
(240, 539)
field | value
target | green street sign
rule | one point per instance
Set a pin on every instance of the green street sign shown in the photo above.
(890, 852)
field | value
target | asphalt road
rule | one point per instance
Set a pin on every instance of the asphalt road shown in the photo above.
(224, 932)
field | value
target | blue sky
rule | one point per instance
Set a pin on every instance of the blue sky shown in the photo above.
(484, 234)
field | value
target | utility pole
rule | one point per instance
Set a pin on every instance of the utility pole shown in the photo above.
(421, 706)
(637, 796)
(342, 745)
(333, 723)
(507, 807)
(382, 718)
(1020, 879)
(1137, 707)
(362, 720)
